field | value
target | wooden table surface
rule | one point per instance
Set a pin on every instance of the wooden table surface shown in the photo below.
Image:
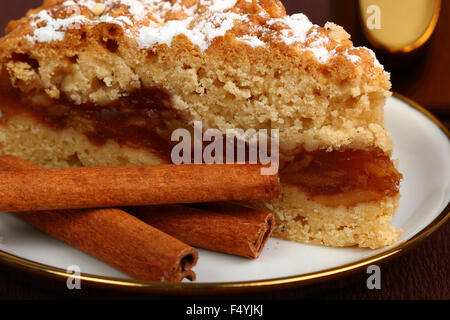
(423, 273)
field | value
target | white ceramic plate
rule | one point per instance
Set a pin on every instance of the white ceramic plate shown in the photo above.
(423, 150)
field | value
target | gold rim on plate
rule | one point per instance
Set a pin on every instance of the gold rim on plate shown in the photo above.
(242, 286)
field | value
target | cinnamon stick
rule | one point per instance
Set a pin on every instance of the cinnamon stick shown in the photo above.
(113, 236)
(220, 227)
(92, 187)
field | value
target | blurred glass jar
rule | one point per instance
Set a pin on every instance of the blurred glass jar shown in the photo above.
(399, 26)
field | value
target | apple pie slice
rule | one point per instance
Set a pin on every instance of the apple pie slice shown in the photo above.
(106, 82)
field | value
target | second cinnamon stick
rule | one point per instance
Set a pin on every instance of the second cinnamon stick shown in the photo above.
(219, 227)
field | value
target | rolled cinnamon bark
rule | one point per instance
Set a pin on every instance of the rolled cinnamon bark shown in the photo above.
(220, 227)
(115, 237)
(94, 187)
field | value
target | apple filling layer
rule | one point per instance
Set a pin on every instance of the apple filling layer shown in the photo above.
(141, 120)
(344, 177)
(145, 119)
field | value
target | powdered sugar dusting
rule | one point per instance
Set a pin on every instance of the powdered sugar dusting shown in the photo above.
(298, 28)
(352, 57)
(53, 29)
(48, 29)
(219, 5)
(200, 21)
(319, 49)
(201, 34)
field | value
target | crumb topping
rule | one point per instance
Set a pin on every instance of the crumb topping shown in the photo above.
(152, 23)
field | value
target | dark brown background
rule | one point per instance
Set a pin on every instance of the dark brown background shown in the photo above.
(423, 273)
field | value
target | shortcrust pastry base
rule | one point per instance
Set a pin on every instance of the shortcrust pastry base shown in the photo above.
(366, 225)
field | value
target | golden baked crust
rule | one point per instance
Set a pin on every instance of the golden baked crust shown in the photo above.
(228, 63)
